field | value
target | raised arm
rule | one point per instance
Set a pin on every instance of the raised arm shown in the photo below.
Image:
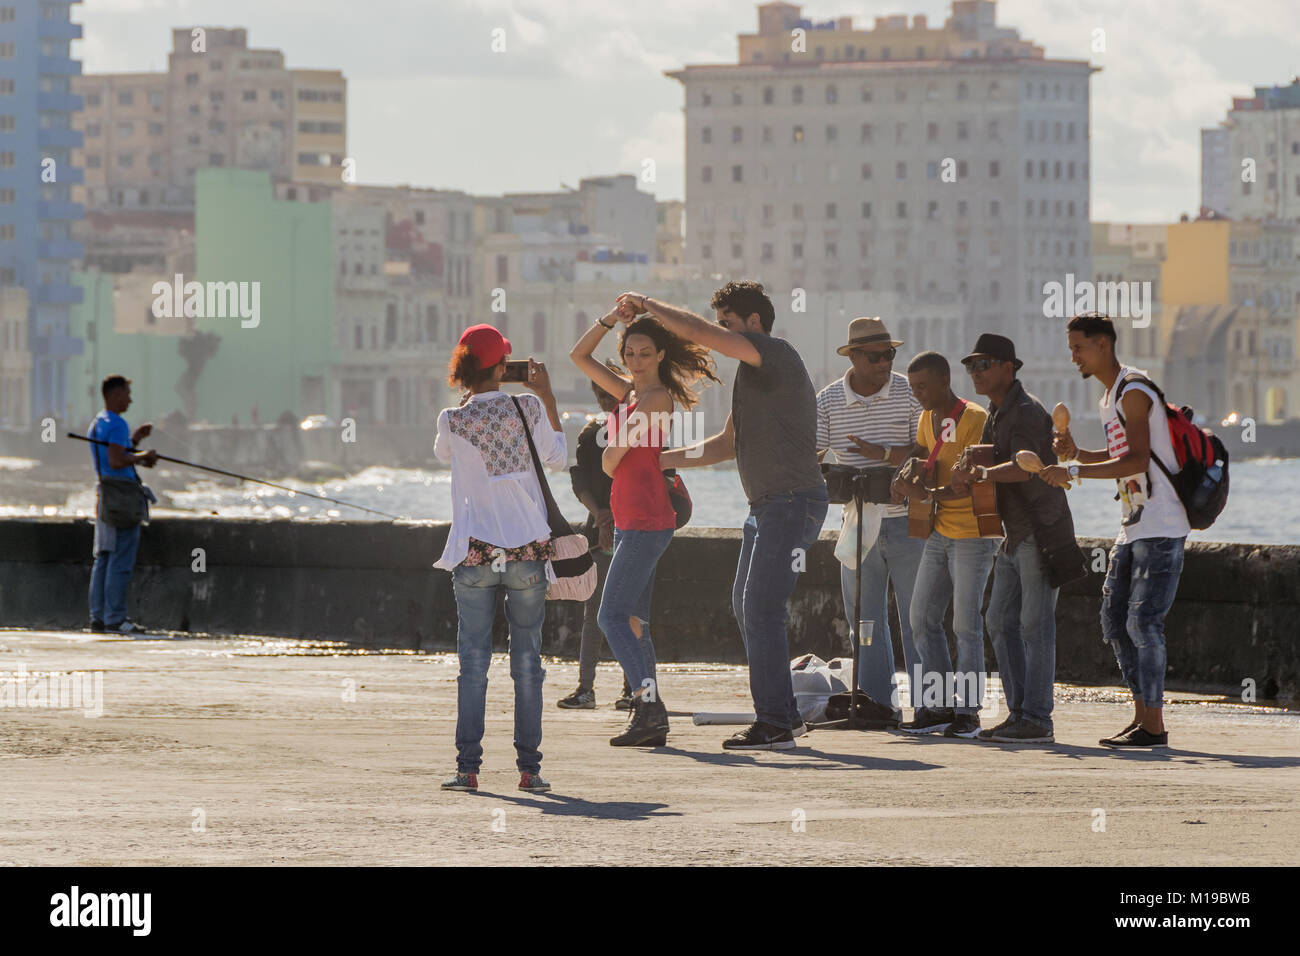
(691, 326)
(720, 447)
(598, 372)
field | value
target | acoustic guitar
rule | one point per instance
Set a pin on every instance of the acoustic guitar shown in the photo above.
(983, 497)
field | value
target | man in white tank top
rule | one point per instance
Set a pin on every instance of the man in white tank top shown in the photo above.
(1147, 559)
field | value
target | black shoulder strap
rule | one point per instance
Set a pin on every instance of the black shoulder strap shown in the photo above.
(552, 510)
(1134, 379)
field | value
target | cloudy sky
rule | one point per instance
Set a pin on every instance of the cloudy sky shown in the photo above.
(580, 88)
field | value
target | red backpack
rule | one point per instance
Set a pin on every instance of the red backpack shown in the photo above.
(1201, 479)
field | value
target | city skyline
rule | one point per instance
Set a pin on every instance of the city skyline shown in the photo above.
(1189, 60)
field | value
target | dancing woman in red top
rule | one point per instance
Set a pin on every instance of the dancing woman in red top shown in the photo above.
(663, 370)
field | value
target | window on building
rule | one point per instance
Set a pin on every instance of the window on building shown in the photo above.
(706, 174)
(931, 132)
(706, 135)
(769, 96)
(901, 210)
(797, 134)
(796, 95)
(995, 169)
(737, 174)
(866, 170)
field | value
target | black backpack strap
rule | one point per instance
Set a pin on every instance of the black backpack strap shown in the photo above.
(552, 510)
(1134, 379)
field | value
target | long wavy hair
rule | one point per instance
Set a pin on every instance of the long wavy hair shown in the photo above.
(685, 364)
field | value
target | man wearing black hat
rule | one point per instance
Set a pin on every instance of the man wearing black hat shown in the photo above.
(1039, 553)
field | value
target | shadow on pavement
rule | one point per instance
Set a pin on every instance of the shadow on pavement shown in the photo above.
(559, 804)
(803, 757)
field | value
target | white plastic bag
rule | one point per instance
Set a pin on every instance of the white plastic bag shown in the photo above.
(815, 681)
(872, 514)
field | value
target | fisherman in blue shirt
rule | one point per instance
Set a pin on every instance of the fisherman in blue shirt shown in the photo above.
(115, 548)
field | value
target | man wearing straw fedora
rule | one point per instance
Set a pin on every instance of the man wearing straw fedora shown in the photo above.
(869, 417)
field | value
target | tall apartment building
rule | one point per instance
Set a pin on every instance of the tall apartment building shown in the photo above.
(15, 359)
(1231, 295)
(1250, 162)
(220, 103)
(37, 172)
(947, 166)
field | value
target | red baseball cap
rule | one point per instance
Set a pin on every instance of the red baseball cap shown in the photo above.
(486, 344)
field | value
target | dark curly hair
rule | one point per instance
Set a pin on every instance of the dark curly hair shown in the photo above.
(1091, 324)
(744, 299)
(684, 363)
(463, 370)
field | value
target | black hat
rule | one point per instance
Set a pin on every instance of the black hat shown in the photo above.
(996, 347)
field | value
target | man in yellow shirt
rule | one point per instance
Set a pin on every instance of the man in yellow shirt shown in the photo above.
(956, 562)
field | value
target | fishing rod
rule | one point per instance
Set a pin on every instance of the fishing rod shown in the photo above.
(260, 481)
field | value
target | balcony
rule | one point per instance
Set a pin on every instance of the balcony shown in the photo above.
(59, 294)
(60, 102)
(70, 138)
(58, 29)
(58, 65)
(60, 249)
(59, 209)
(55, 345)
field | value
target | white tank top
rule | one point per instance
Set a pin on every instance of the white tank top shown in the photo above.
(1149, 506)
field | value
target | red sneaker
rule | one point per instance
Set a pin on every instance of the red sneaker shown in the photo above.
(533, 782)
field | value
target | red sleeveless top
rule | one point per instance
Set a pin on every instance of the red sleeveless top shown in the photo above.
(639, 497)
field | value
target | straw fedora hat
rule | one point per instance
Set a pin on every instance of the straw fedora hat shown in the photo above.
(865, 331)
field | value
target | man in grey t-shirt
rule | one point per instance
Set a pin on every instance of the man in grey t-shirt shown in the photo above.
(771, 433)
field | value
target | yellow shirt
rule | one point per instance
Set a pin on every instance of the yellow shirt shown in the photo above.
(955, 519)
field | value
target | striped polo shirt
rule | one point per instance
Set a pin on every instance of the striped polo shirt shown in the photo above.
(888, 417)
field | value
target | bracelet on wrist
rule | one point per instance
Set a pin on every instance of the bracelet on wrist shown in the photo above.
(601, 322)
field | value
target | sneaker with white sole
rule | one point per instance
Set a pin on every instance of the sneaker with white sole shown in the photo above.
(462, 781)
(760, 735)
(926, 720)
(963, 725)
(128, 627)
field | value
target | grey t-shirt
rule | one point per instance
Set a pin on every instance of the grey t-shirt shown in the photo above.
(774, 413)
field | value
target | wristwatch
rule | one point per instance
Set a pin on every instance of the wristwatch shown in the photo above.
(1074, 471)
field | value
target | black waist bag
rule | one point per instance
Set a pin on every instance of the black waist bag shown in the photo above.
(122, 503)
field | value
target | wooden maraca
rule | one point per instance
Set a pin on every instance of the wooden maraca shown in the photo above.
(1061, 417)
(1029, 461)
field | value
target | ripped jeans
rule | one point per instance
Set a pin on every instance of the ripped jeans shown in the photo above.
(1141, 581)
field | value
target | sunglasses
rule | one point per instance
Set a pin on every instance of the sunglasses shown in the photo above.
(874, 357)
(982, 365)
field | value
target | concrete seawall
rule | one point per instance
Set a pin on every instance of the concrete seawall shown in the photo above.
(1237, 616)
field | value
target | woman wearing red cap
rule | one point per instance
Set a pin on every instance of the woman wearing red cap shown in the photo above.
(499, 541)
(663, 368)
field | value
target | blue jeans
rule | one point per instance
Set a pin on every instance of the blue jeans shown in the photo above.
(765, 578)
(1141, 582)
(1022, 627)
(952, 570)
(524, 584)
(111, 576)
(894, 557)
(629, 586)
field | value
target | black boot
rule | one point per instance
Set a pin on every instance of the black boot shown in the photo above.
(648, 726)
